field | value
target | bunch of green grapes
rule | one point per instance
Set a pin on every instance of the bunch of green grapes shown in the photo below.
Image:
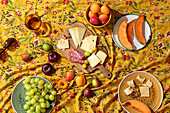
(38, 96)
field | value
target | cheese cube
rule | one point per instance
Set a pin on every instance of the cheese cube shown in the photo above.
(131, 83)
(149, 83)
(140, 79)
(63, 44)
(102, 56)
(128, 91)
(93, 60)
(144, 91)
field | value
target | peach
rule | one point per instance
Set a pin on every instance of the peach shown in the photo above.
(94, 20)
(103, 18)
(80, 80)
(91, 14)
(105, 9)
(99, 13)
(69, 76)
(95, 7)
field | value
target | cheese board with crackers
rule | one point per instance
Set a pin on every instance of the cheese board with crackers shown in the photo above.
(83, 49)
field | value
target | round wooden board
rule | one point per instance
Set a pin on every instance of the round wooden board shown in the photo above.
(156, 92)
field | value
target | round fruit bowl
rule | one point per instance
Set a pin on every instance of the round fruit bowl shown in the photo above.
(18, 97)
(87, 18)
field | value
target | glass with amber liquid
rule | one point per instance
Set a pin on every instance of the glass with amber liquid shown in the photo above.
(33, 22)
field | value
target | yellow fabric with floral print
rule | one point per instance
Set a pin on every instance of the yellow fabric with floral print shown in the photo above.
(154, 58)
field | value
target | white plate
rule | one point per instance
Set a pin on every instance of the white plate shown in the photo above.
(136, 44)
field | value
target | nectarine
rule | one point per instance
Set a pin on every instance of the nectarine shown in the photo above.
(105, 9)
(95, 7)
(103, 18)
(94, 20)
(69, 76)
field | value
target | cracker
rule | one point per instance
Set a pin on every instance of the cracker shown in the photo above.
(144, 91)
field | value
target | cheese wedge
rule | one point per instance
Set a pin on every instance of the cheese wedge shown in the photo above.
(128, 91)
(74, 36)
(80, 34)
(101, 55)
(140, 79)
(144, 91)
(63, 43)
(149, 83)
(131, 83)
(93, 60)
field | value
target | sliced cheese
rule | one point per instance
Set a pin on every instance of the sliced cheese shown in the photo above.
(128, 91)
(89, 43)
(149, 83)
(63, 43)
(74, 36)
(101, 55)
(144, 91)
(131, 83)
(80, 34)
(93, 60)
(140, 79)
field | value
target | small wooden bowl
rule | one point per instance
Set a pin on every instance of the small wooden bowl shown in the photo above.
(100, 25)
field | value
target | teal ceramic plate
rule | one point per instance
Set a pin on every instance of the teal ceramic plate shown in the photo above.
(136, 44)
(18, 97)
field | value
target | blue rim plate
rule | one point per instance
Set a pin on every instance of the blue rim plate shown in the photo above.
(136, 44)
(18, 96)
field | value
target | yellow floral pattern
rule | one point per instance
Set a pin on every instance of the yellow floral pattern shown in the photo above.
(154, 58)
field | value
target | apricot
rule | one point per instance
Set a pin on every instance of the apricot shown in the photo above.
(105, 9)
(104, 18)
(80, 80)
(95, 7)
(99, 13)
(91, 14)
(62, 84)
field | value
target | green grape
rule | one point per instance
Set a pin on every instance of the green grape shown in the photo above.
(51, 97)
(37, 111)
(27, 93)
(26, 106)
(53, 92)
(41, 100)
(33, 101)
(84, 66)
(86, 61)
(36, 97)
(32, 108)
(27, 98)
(47, 97)
(28, 79)
(37, 80)
(43, 110)
(24, 82)
(25, 85)
(33, 85)
(87, 53)
(40, 87)
(46, 85)
(50, 86)
(36, 104)
(37, 93)
(38, 107)
(35, 89)
(47, 104)
(32, 92)
(43, 93)
(43, 105)
(28, 87)
(29, 111)
(28, 102)
(41, 82)
(32, 81)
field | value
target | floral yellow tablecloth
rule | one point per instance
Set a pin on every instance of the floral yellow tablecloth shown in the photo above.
(154, 58)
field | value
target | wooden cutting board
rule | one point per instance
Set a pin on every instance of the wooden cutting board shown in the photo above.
(99, 46)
